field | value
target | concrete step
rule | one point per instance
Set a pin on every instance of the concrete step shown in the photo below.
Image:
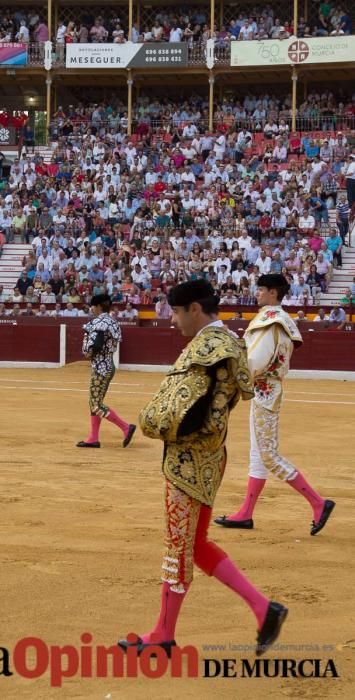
(13, 244)
(11, 260)
(10, 267)
(341, 281)
(15, 252)
(329, 299)
(9, 275)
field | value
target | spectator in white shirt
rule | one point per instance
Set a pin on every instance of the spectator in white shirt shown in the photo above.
(239, 274)
(264, 263)
(129, 313)
(23, 34)
(201, 203)
(59, 218)
(229, 298)
(222, 260)
(187, 202)
(244, 241)
(43, 311)
(246, 31)
(57, 311)
(130, 152)
(187, 176)
(349, 172)
(70, 310)
(141, 277)
(197, 144)
(322, 316)
(175, 35)
(279, 153)
(150, 177)
(271, 129)
(189, 131)
(99, 194)
(289, 300)
(46, 260)
(222, 276)
(60, 35)
(208, 176)
(306, 222)
(48, 296)
(278, 220)
(220, 147)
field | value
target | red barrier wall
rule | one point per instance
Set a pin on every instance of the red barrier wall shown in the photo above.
(32, 340)
(21, 343)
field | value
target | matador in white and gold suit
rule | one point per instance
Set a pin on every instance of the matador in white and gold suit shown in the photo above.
(271, 338)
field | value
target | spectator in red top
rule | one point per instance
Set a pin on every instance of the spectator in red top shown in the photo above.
(159, 186)
(265, 222)
(295, 143)
(41, 168)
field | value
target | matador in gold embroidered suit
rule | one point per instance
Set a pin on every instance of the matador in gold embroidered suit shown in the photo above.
(190, 415)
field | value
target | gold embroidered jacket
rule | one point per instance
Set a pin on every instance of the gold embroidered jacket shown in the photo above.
(191, 409)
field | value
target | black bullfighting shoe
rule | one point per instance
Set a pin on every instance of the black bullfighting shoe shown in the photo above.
(129, 436)
(275, 616)
(240, 524)
(140, 645)
(327, 509)
(82, 443)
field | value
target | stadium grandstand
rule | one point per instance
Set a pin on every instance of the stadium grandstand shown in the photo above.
(143, 145)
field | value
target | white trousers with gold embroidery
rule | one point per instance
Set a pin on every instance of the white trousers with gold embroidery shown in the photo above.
(264, 443)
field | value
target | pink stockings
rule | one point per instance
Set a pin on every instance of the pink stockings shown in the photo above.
(255, 487)
(112, 417)
(214, 562)
(95, 429)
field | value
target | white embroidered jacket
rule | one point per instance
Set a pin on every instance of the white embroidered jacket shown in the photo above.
(270, 339)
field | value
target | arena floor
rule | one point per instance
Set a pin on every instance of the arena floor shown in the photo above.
(81, 538)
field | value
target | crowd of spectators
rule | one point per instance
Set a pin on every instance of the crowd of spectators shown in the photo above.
(134, 216)
(189, 24)
(22, 25)
(267, 114)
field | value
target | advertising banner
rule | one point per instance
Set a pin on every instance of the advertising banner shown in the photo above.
(13, 54)
(7, 136)
(128, 55)
(293, 51)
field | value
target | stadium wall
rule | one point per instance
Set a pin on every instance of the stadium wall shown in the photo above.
(50, 343)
